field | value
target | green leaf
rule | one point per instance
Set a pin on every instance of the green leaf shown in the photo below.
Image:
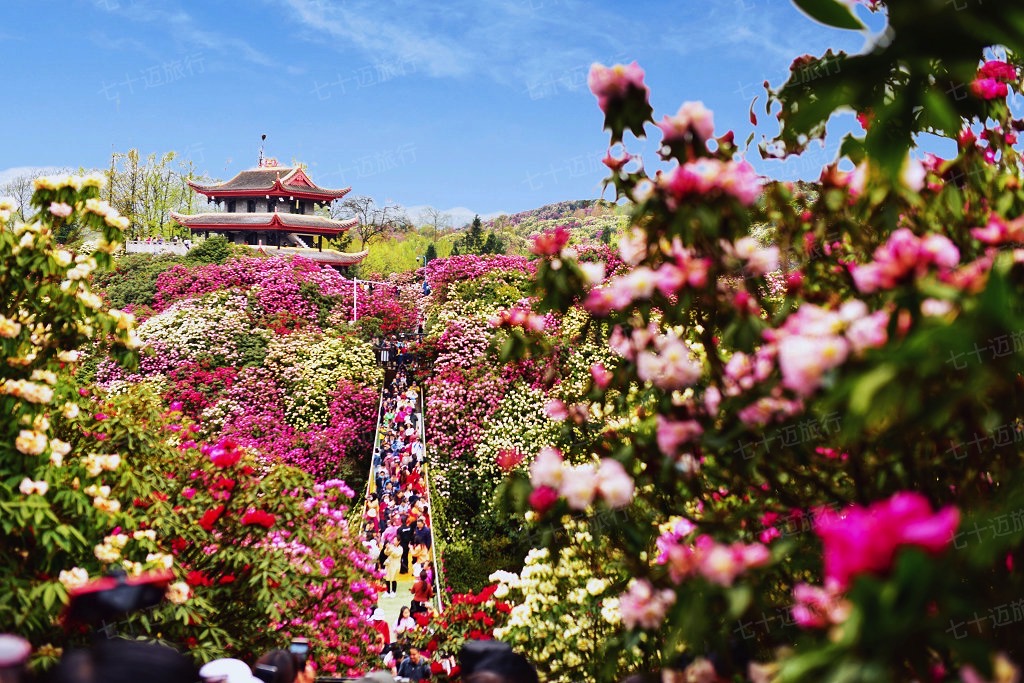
(830, 13)
(868, 386)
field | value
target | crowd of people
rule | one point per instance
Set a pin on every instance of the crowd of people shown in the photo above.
(120, 660)
(396, 526)
(393, 350)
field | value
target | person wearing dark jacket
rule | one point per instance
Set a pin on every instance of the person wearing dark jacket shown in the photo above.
(405, 535)
(422, 534)
(414, 667)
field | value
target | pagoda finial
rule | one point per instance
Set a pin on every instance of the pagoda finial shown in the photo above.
(263, 139)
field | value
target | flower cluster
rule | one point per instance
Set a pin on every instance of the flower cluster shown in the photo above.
(580, 485)
(861, 540)
(716, 562)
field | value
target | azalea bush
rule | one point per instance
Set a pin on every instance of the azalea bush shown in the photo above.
(801, 431)
(48, 312)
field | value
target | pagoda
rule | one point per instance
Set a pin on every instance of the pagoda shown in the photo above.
(271, 208)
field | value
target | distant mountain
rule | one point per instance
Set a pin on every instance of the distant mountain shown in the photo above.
(587, 220)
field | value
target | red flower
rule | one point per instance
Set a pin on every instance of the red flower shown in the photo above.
(223, 484)
(550, 243)
(422, 618)
(178, 545)
(210, 517)
(508, 458)
(198, 578)
(258, 517)
(227, 578)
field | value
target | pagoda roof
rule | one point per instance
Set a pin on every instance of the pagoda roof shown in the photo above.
(277, 221)
(330, 257)
(278, 181)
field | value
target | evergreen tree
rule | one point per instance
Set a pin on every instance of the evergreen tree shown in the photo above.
(493, 245)
(430, 254)
(474, 240)
(606, 234)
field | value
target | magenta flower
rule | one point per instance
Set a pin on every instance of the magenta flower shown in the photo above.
(998, 70)
(989, 88)
(865, 540)
(542, 498)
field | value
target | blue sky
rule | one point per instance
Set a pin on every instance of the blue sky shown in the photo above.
(480, 104)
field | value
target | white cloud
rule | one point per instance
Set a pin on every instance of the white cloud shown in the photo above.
(383, 40)
(9, 174)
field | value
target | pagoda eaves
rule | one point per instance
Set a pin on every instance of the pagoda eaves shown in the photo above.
(274, 181)
(278, 221)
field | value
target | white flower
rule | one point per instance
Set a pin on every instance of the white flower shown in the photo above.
(633, 247)
(9, 328)
(30, 442)
(579, 486)
(73, 578)
(179, 592)
(546, 469)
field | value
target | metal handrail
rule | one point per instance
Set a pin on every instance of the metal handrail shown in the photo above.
(433, 520)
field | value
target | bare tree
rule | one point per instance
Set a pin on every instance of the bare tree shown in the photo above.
(438, 220)
(374, 220)
(19, 188)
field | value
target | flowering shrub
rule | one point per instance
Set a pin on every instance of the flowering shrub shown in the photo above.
(60, 499)
(467, 616)
(824, 376)
(564, 609)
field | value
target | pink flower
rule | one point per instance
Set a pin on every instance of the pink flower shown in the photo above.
(60, 209)
(611, 84)
(555, 410)
(704, 176)
(673, 434)
(579, 485)
(818, 607)
(641, 605)
(989, 88)
(633, 246)
(602, 377)
(616, 163)
(692, 119)
(669, 279)
(188, 493)
(721, 565)
(803, 360)
(224, 457)
(614, 483)
(546, 469)
(865, 540)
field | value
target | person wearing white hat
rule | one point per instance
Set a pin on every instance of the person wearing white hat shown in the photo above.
(227, 671)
